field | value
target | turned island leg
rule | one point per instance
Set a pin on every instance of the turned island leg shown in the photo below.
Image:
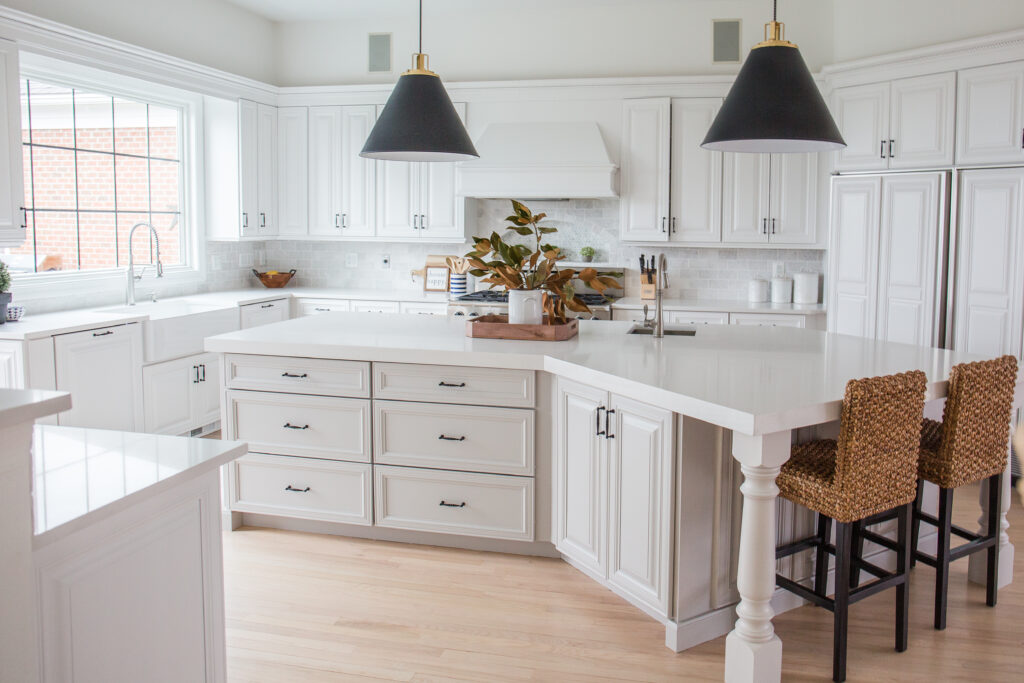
(753, 653)
(977, 570)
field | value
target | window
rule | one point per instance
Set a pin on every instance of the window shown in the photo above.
(97, 164)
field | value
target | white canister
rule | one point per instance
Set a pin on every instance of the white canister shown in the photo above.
(782, 290)
(757, 291)
(805, 288)
(526, 306)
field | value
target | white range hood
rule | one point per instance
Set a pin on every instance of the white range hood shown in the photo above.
(539, 161)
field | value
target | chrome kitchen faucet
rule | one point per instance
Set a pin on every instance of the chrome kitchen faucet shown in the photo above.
(131, 260)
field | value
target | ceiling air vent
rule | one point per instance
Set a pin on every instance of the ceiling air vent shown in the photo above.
(726, 34)
(380, 53)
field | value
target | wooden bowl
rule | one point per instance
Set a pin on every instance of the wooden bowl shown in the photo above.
(274, 280)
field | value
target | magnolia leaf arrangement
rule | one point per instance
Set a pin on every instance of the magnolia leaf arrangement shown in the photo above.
(518, 266)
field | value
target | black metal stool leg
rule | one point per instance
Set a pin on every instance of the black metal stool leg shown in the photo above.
(842, 600)
(821, 557)
(903, 554)
(945, 518)
(916, 530)
(995, 495)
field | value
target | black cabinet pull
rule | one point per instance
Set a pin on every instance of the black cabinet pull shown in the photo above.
(597, 422)
(322, 310)
(451, 438)
(881, 151)
(289, 425)
(663, 219)
(453, 505)
(607, 424)
(24, 217)
(267, 306)
(773, 226)
(673, 229)
(1021, 146)
(196, 380)
(442, 383)
(764, 226)
(289, 487)
(102, 334)
(344, 220)
(288, 374)
(891, 143)
(263, 220)
(245, 220)
(203, 368)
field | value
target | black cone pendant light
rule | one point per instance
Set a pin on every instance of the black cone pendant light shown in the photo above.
(774, 104)
(419, 122)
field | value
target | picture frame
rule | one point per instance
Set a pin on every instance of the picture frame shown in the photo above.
(436, 279)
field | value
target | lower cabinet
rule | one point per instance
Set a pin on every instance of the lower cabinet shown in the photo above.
(304, 307)
(613, 477)
(181, 395)
(375, 306)
(264, 313)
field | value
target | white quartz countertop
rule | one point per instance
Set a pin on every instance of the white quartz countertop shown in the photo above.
(723, 305)
(751, 379)
(83, 475)
(27, 405)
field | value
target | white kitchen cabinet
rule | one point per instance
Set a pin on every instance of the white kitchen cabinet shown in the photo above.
(423, 308)
(13, 217)
(306, 307)
(257, 167)
(341, 183)
(770, 199)
(358, 175)
(696, 318)
(990, 115)
(263, 313)
(12, 373)
(292, 170)
(989, 295)
(696, 174)
(900, 124)
(640, 481)
(181, 395)
(375, 306)
(767, 319)
(644, 171)
(417, 200)
(883, 267)
(102, 368)
(324, 176)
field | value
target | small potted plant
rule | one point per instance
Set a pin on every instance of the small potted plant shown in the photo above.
(587, 254)
(5, 291)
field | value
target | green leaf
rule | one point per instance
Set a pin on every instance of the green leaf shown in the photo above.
(524, 231)
(544, 230)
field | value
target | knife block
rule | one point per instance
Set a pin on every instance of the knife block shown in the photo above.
(649, 290)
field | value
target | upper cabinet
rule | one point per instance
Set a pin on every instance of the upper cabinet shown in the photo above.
(257, 167)
(341, 183)
(696, 186)
(990, 115)
(902, 124)
(292, 170)
(644, 170)
(770, 198)
(13, 218)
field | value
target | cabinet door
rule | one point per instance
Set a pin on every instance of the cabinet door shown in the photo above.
(12, 365)
(325, 171)
(442, 211)
(745, 203)
(12, 193)
(990, 264)
(254, 315)
(167, 390)
(248, 166)
(921, 121)
(206, 394)
(696, 173)
(644, 170)
(293, 170)
(990, 121)
(267, 170)
(398, 200)
(640, 502)
(580, 475)
(862, 114)
(853, 255)
(358, 177)
(912, 207)
(102, 370)
(793, 192)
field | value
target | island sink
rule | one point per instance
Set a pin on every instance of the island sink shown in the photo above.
(668, 333)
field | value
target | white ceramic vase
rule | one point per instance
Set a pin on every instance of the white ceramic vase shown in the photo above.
(525, 306)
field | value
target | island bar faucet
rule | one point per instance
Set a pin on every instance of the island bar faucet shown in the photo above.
(131, 259)
(660, 284)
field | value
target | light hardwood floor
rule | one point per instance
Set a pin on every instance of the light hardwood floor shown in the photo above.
(309, 608)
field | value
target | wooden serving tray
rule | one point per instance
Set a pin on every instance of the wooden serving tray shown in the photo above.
(498, 327)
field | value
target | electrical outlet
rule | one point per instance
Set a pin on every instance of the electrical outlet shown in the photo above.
(352, 260)
(778, 269)
(385, 262)
(245, 261)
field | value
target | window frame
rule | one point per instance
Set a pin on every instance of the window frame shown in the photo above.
(192, 223)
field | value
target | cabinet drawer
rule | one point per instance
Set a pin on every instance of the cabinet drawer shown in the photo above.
(317, 306)
(489, 505)
(498, 440)
(696, 318)
(375, 306)
(300, 487)
(312, 426)
(254, 315)
(768, 319)
(423, 308)
(454, 384)
(298, 375)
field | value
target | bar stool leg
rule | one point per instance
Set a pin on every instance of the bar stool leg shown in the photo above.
(821, 559)
(903, 554)
(844, 539)
(856, 550)
(942, 556)
(995, 491)
(916, 530)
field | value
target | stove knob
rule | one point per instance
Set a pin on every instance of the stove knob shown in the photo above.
(473, 314)
(458, 313)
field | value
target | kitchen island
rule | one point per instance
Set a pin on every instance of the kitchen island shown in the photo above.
(611, 447)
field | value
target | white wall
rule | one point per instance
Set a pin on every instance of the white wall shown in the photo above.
(470, 40)
(214, 33)
(865, 28)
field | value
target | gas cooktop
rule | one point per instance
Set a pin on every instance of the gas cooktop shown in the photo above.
(500, 296)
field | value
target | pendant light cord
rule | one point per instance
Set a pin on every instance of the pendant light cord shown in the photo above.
(775, 12)
(421, 27)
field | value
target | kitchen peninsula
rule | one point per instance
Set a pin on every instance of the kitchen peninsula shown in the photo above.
(612, 448)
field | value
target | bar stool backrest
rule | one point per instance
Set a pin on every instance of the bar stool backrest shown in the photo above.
(878, 444)
(976, 420)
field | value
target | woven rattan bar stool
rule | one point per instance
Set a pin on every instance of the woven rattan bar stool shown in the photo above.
(969, 445)
(869, 469)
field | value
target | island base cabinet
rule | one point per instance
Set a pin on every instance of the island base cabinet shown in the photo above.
(181, 395)
(613, 482)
